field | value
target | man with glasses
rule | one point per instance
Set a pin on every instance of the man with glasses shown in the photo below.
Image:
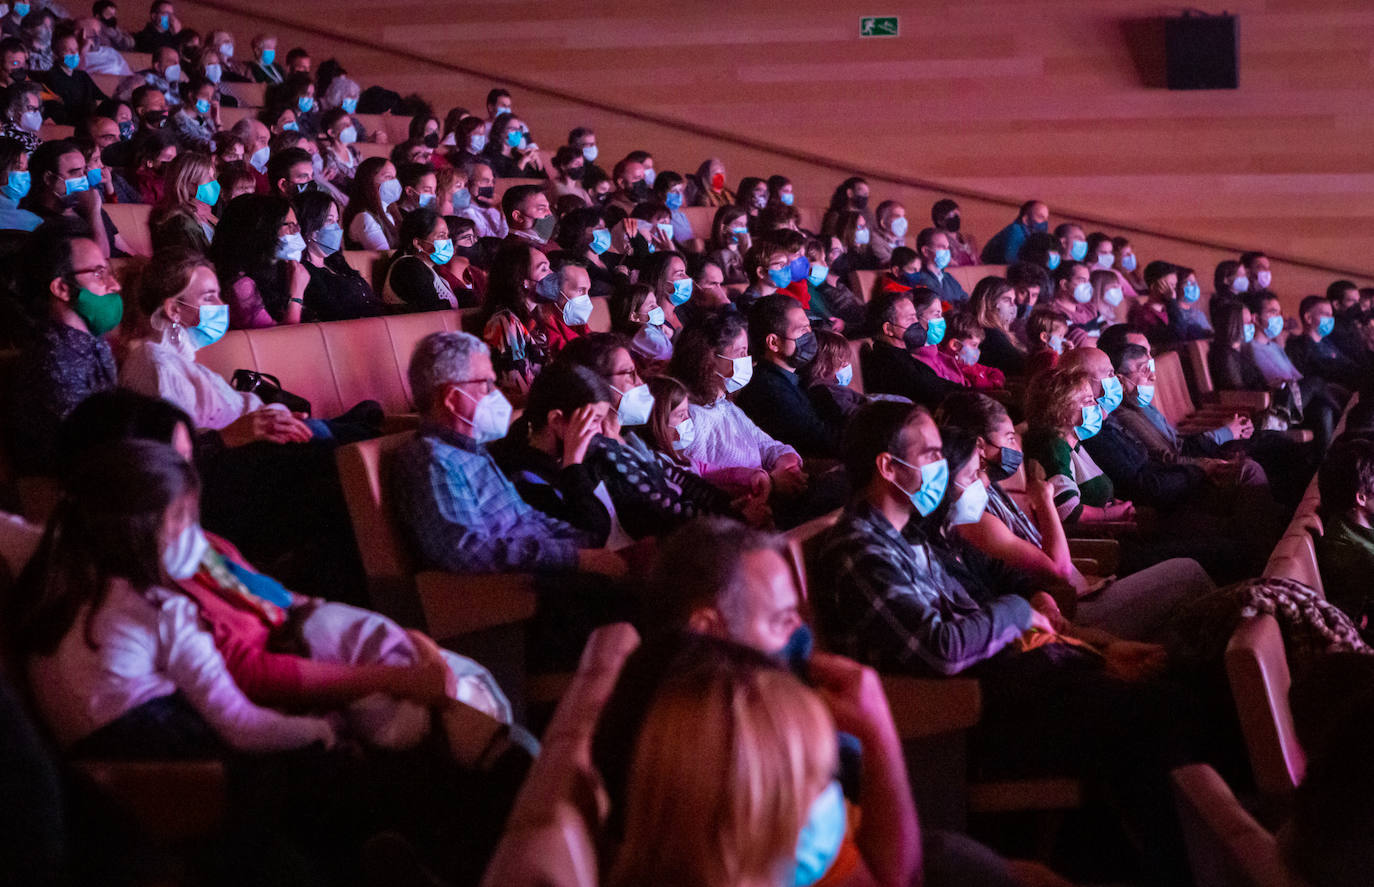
(67, 359)
(61, 189)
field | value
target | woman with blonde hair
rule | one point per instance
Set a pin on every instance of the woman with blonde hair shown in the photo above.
(1108, 298)
(185, 216)
(732, 782)
(993, 303)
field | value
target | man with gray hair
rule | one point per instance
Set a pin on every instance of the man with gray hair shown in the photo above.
(461, 513)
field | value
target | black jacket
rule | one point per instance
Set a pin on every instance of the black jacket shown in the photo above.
(776, 402)
(888, 369)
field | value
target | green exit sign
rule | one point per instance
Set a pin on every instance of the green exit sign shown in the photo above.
(878, 26)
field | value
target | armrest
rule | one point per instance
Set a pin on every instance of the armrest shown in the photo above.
(1106, 552)
(168, 800)
(1299, 435)
(1089, 566)
(1103, 529)
(1244, 400)
(398, 422)
(454, 604)
(930, 706)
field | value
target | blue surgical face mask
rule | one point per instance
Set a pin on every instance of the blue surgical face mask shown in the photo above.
(818, 845)
(269, 56)
(673, 200)
(1272, 327)
(800, 268)
(350, 106)
(942, 258)
(389, 191)
(1249, 332)
(780, 277)
(817, 274)
(72, 60)
(935, 331)
(442, 252)
(1191, 291)
(18, 184)
(1144, 394)
(462, 199)
(1041, 227)
(425, 200)
(1325, 326)
(899, 226)
(682, 291)
(1111, 394)
(514, 137)
(77, 185)
(934, 481)
(787, 198)
(844, 375)
(305, 104)
(861, 237)
(656, 316)
(601, 240)
(203, 106)
(1128, 262)
(291, 126)
(1078, 249)
(96, 177)
(1241, 285)
(208, 193)
(164, 21)
(1057, 344)
(1052, 261)
(1092, 422)
(329, 239)
(214, 72)
(213, 324)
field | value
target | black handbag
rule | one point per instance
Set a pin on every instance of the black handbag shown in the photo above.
(268, 387)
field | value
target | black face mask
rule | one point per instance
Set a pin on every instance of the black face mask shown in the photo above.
(639, 191)
(19, 75)
(154, 119)
(915, 336)
(952, 224)
(486, 192)
(1008, 461)
(467, 252)
(574, 173)
(432, 140)
(804, 351)
(861, 202)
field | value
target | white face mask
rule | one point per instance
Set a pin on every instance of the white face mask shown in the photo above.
(1083, 293)
(635, 405)
(1112, 296)
(259, 158)
(182, 558)
(743, 372)
(652, 342)
(577, 310)
(1264, 278)
(686, 433)
(968, 508)
(290, 247)
(491, 420)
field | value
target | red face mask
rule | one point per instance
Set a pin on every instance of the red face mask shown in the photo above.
(718, 182)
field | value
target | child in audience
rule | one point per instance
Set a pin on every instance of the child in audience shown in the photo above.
(729, 242)
(964, 342)
(635, 313)
(1047, 330)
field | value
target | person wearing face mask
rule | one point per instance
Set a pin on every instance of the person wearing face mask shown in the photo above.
(336, 291)
(963, 248)
(631, 187)
(186, 218)
(583, 140)
(963, 345)
(527, 214)
(1073, 242)
(15, 182)
(264, 67)
(583, 235)
(933, 245)
(832, 305)
(769, 270)
(851, 195)
(889, 230)
(729, 241)
(855, 236)
(413, 280)
(1231, 282)
(164, 74)
(993, 306)
(828, 381)
(61, 188)
(371, 218)
(72, 85)
(161, 29)
(782, 343)
(36, 30)
(419, 188)
(21, 107)
(670, 189)
(510, 152)
(1047, 334)
(712, 360)
(67, 357)
(1073, 293)
(198, 119)
(903, 269)
(752, 197)
(709, 186)
(338, 137)
(563, 306)
(568, 166)
(1187, 321)
(889, 364)
(107, 14)
(636, 314)
(1004, 247)
(1129, 263)
(257, 253)
(1109, 301)
(1312, 351)
(1257, 268)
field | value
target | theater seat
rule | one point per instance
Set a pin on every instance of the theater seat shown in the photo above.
(700, 218)
(131, 220)
(1295, 558)
(1247, 401)
(969, 275)
(1257, 666)
(856, 346)
(250, 95)
(1174, 401)
(861, 284)
(450, 604)
(1227, 847)
(551, 836)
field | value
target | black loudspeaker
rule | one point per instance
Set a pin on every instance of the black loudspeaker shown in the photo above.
(1200, 51)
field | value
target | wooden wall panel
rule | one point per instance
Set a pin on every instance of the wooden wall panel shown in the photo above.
(1008, 99)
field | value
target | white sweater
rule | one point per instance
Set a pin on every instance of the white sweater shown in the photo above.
(147, 647)
(161, 367)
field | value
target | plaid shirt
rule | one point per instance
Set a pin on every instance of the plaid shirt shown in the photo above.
(463, 515)
(889, 601)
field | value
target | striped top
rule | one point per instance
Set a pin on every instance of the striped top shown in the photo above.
(1070, 472)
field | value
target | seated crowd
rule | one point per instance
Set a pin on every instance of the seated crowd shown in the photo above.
(191, 586)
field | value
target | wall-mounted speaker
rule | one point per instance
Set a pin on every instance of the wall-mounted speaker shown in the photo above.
(1201, 51)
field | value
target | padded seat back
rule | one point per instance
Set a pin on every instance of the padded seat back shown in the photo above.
(1257, 666)
(862, 284)
(364, 365)
(810, 218)
(386, 559)
(1197, 352)
(969, 275)
(856, 347)
(297, 356)
(367, 262)
(1295, 557)
(599, 322)
(1226, 845)
(503, 185)
(131, 220)
(1171, 388)
(250, 95)
(700, 218)
(801, 543)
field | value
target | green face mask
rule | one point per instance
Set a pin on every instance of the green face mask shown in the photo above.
(101, 313)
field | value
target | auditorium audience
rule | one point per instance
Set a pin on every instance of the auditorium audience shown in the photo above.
(902, 324)
(185, 218)
(1312, 352)
(336, 290)
(1004, 247)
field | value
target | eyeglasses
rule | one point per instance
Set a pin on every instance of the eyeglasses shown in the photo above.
(101, 272)
(488, 385)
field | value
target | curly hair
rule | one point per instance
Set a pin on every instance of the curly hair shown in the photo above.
(694, 355)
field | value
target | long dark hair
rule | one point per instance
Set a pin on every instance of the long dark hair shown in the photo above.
(364, 196)
(108, 526)
(246, 243)
(693, 361)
